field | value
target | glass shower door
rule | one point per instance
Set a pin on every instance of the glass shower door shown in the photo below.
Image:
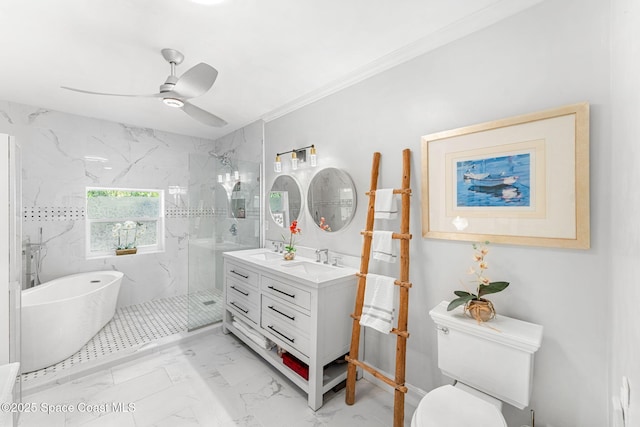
(224, 206)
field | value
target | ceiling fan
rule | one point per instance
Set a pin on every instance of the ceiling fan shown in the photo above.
(176, 91)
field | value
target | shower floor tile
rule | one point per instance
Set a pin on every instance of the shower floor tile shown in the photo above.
(141, 324)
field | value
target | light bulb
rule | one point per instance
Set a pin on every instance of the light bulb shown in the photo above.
(236, 175)
(313, 157)
(277, 165)
(173, 102)
(227, 177)
(294, 161)
(219, 178)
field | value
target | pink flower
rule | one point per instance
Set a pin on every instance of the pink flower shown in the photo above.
(294, 228)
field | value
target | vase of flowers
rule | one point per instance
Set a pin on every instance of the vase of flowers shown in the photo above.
(126, 235)
(475, 305)
(290, 249)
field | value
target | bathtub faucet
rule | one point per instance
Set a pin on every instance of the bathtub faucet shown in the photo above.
(32, 256)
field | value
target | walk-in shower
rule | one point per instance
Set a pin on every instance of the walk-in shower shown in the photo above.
(224, 212)
(218, 211)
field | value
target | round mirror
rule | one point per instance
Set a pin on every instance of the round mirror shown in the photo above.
(331, 199)
(285, 200)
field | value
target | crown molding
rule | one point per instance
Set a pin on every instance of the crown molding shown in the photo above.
(454, 31)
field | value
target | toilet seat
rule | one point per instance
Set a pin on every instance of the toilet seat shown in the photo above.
(448, 406)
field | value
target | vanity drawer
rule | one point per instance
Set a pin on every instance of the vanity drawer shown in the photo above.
(243, 274)
(286, 292)
(286, 314)
(244, 307)
(244, 291)
(285, 333)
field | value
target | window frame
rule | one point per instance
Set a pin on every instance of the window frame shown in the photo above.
(142, 249)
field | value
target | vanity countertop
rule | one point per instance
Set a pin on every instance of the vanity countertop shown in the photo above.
(301, 268)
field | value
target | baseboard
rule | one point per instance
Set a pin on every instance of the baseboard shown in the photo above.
(414, 394)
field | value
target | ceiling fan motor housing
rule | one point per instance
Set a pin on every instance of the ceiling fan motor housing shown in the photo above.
(169, 84)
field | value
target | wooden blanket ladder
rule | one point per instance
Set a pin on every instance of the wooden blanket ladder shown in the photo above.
(398, 383)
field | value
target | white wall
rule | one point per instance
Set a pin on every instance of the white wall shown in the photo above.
(625, 228)
(55, 175)
(5, 247)
(554, 54)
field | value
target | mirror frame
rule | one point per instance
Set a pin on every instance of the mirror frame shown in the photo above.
(348, 179)
(302, 199)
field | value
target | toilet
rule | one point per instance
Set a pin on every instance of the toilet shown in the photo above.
(491, 363)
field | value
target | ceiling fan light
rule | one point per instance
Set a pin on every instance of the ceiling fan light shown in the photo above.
(173, 102)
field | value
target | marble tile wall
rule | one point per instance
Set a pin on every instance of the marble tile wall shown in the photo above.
(57, 165)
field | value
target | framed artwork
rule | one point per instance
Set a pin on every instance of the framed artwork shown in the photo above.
(522, 180)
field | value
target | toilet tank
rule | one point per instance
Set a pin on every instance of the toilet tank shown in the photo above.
(495, 357)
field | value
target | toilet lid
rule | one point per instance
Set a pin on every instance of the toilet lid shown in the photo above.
(448, 406)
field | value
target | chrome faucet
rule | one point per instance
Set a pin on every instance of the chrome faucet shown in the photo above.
(319, 253)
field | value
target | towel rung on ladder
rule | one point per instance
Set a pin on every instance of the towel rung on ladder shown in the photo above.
(402, 236)
(400, 387)
(395, 191)
(397, 282)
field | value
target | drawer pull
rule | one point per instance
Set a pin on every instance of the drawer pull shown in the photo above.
(281, 334)
(246, 294)
(282, 292)
(240, 274)
(281, 313)
(238, 307)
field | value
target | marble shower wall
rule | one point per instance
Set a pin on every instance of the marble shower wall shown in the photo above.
(243, 148)
(57, 167)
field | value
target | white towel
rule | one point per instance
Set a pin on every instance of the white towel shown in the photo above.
(377, 311)
(382, 246)
(385, 206)
(250, 333)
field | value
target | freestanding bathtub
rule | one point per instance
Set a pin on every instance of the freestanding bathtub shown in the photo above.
(59, 317)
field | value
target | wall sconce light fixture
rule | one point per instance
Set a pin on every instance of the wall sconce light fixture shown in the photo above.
(313, 157)
(298, 155)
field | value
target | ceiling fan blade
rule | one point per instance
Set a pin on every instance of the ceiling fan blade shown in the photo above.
(196, 81)
(203, 116)
(155, 95)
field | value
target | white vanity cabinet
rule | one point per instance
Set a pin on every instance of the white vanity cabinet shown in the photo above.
(301, 306)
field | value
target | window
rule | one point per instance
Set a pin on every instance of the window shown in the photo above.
(108, 207)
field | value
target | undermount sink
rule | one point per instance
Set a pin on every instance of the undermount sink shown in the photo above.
(266, 256)
(307, 267)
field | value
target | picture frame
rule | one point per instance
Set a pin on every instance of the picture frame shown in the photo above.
(522, 180)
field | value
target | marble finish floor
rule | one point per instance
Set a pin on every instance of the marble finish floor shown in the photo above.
(214, 380)
(139, 324)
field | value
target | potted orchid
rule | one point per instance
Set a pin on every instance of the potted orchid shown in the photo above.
(126, 235)
(290, 249)
(475, 305)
